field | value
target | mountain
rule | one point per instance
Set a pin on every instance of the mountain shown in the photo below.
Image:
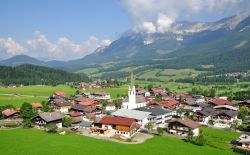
(223, 44)
(21, 59)
(32, 75)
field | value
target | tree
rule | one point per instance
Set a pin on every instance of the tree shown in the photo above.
(46, 107)
(149, 126)
(235, 124)
(190, 136)
(27, 111)
(67, 121)
(200, 140)
(104, 103)
(243, 112)
(27, 123)
(160, 131)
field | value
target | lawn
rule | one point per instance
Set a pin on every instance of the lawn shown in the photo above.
(122, 90)
(17, 96)
(34, 142)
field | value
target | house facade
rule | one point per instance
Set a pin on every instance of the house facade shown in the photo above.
(45, 118)
(109, 126)
(183, 126)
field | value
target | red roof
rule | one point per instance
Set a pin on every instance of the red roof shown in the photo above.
(218, 101)
(158, 90)
(170, 103)
(37, 105)
(75, 114)
(87, 103)
(139, 89)
(116, 121)
(9, 112)
(59, 93)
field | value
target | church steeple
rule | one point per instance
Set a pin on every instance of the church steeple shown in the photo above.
(132, 79)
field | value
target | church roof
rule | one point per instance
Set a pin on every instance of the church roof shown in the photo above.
(139, 99)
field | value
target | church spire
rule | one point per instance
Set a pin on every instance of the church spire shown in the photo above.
(132, 79)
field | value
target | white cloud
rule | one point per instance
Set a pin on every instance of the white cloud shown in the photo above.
(9, 47)
(42, 47)
(106, 42)
(149, 27)
(164, 23)
(161, 13)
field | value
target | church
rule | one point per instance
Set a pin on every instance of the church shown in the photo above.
(133, 101)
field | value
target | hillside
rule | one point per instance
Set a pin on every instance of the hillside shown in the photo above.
(33, 75)
(223, 45)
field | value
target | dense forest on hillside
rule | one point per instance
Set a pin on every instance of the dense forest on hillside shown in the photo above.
(33, 75)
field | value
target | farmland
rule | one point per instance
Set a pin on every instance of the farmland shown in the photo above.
(32, 141)
(16, 96)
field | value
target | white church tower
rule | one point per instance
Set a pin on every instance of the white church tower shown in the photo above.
(133, 101)
(132, 91)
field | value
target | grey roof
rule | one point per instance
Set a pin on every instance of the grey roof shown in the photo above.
(51, 116)
(61, 104)
(85, 124)
(214, 112)
(129, 113)
(78, 107)
(155, 110)
(140, 99)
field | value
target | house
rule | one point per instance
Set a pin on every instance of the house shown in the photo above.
(45, 118)
(58, 95)
(244, 141)
(140, 91)
(226, 107)
(190, 105)
(88, 103)
(61, 105)
(220, 118)
(183, 97)
(182, 126)
(157, 91)
(76, 117)
(110, 107)
(10, 113)
(100, 96)
(217, 101)
(37, 105)
(158, 115)
(86, 110)
(141, 117)
(170, 103)
(109, 126)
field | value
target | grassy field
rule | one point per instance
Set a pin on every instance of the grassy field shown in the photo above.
(34, 142)
(16, 96)
(123, 90)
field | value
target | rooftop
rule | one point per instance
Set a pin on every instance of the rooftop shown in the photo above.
(155, 110)
(116, 121)
(129, 113)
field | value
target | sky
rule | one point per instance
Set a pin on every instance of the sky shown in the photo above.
(72, 29)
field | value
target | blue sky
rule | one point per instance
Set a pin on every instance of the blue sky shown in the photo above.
(72, 29)
(77, 19)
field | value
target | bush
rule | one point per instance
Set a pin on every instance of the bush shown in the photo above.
(27, 123)
(51, 128)
(9, 125)
(200, 140)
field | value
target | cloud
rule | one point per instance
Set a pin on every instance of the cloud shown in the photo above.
(162, 13)
(9, 47)
(42, 47)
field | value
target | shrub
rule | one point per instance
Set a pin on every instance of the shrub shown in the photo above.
(51, 128)
(9, 125)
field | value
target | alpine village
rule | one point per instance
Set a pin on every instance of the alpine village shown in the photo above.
(163, 77)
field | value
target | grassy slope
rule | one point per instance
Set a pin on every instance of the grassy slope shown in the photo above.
(123, 90)
(31, 141)
(35, 93)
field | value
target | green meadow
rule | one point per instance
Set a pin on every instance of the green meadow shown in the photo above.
(35, 142)
(16, 96)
